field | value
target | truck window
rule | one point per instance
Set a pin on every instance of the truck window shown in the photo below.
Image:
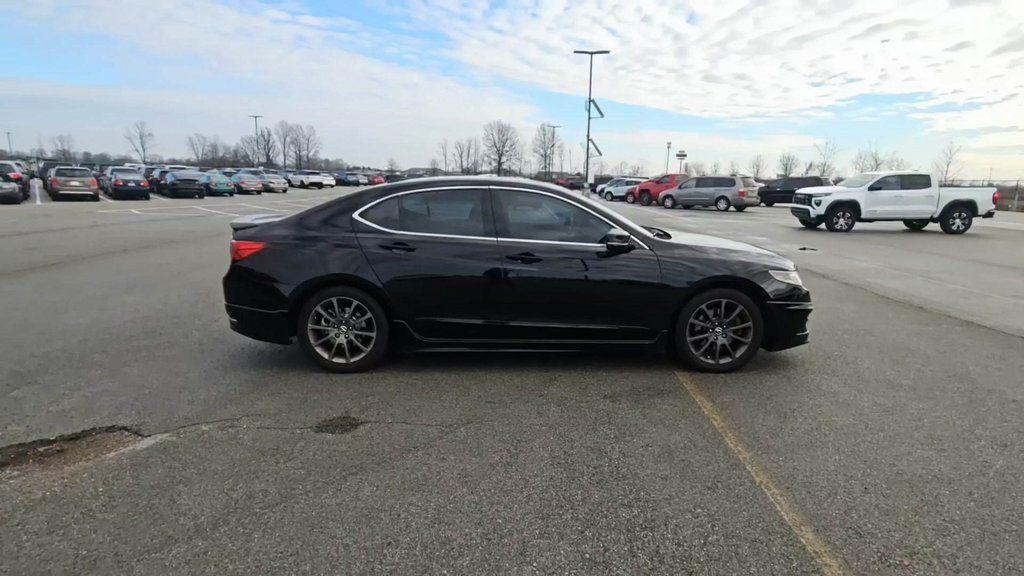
(887, 183)
(915, 181)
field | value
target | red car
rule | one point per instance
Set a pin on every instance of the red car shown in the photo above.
(374, 180)
(648, 192)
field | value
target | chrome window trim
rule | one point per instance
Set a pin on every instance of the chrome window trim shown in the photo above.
(357, 215)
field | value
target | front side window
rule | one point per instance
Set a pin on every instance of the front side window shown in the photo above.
(531, 216)
(664, 179)
(887, 183)
(688, 184)
(445, 212)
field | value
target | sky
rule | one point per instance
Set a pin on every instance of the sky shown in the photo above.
(723, 79)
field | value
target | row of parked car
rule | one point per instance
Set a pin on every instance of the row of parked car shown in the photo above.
(723, 192)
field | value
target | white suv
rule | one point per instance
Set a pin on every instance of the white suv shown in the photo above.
(306, 178)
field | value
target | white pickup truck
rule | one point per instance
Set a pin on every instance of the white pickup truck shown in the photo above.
(912, 197)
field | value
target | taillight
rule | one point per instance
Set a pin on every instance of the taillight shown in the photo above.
(995, 197)
(54, 182)
(118, 182)
(742, 192)
(15, 175)
(242, 249)
(93, 183)
(143, 183)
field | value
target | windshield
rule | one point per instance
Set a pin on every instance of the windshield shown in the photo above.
(857, 181)
(72, 173)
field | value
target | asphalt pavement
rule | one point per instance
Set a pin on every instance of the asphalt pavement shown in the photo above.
(890, 444)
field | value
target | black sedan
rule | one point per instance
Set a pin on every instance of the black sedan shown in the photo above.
(184, 184)
(502, 263)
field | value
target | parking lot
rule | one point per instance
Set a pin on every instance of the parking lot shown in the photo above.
(890, 444)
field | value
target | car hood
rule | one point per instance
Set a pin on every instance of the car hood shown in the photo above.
(715, 246)
(821, 190)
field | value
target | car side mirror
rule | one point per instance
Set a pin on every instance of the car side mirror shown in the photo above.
(617, 242)
(874, 188)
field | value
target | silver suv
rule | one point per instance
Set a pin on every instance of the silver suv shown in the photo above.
(616, 189)
(722, 192)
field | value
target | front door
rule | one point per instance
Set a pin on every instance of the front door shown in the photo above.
(435, 254)
(882, 198)
(560, 283)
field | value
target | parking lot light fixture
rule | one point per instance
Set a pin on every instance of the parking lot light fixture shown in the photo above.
(590, 104)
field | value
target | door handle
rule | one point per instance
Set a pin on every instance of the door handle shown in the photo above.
(398, 247)
(524, 258)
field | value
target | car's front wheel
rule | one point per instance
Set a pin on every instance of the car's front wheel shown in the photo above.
(343, 329)
(719, 330)
(769, 203)
(840, 219)
(609, 196)
(668, 202)
(630, 198)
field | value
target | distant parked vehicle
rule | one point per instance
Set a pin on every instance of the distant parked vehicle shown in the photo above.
(328, 179)
(111, 173)
(124, 183)
(184, 184)
(273, 183)
(10, 187)
(73, 182)
(617, 188)
(45, 171)
(570, 183)
(13, 173)
(306, 178)
(782, 190)
(722, 192)
(216, 184)
(648, 192)
(389, 178)
(914, 198)
(247, 184)
(375, 180)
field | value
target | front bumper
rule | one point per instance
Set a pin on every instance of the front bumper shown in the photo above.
(786, 324)
(804, 213)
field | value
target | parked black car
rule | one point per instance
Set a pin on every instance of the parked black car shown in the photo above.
(122, 184)
(782, 190)
(502, 262)
(11, 173)
(183, 184)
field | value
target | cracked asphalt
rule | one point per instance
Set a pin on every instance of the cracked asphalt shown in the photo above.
(895, 434)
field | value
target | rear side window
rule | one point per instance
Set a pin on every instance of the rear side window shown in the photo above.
(724, 182)
(705, 183)
(530, 216)
(915, 181)
(749, 182)
(446, 212)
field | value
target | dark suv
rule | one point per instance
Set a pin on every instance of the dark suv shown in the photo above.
(782, 190)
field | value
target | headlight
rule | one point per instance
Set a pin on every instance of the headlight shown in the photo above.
(787, 276)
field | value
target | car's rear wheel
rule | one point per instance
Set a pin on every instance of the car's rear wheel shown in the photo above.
(915, 225)
(739, 208)
(343, 329)
(609, 196)
(719, 330)
(668, 202)
(630, 198)
(957, 220)
(645, 198)
(722, 204)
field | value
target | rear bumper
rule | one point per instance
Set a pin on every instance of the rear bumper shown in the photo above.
(122, 191)
(786, 324)
(264, 325)
(748, 201)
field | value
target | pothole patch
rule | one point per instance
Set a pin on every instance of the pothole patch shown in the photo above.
(338, 425)
(67, 449)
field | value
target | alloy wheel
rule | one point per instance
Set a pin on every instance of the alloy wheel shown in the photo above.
(341, 329)
(722, 204)
(959, 220)
(669, 202)
(842, 220)
(719, 331)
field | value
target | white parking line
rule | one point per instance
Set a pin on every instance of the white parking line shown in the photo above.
(262, 207)
(216, 211)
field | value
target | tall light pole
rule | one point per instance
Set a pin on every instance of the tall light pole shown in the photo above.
(590, 102)
(668, 146)
(256, 136)
(10, 149)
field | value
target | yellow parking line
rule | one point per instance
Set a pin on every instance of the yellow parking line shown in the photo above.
(829, 564)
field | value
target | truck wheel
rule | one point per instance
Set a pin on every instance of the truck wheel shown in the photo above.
(809, 224)
(915, 225)
(722, 204)
(630, 198)
(840, 219)
(957, 220)
(645, 198)
(668, 202)
(718, 331)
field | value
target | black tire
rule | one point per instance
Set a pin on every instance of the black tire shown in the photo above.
(96, 197)
(722, 204)
(609, 196)
(645, 199)
(957, 219)
(146, 197)
(687, 206)
(630, 198)
(668, 202)
(769, 203)
(703, 334)
(840, 218)
(915, 225)
(739, 208)
(809, 224)
(315, 341)
(201, 195)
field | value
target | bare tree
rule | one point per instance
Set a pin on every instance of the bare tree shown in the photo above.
(247, 150)
(545, 142)
(393, 165)
(199, 145)
(757, 166)
(466, 155)
(788, 163)
(435, 167)
(284, 132)
(895, 162)
(809, 169)
(869, 159)
(948, 165)
(140, 137)
(716, 167)
(698, 169)
(827, 152)
(500, 144)
(266, 144)
(443, 149)
(63, 147)
(734, 168)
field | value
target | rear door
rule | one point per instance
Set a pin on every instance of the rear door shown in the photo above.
(919, 200)
(560, 283)
(435, 254)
